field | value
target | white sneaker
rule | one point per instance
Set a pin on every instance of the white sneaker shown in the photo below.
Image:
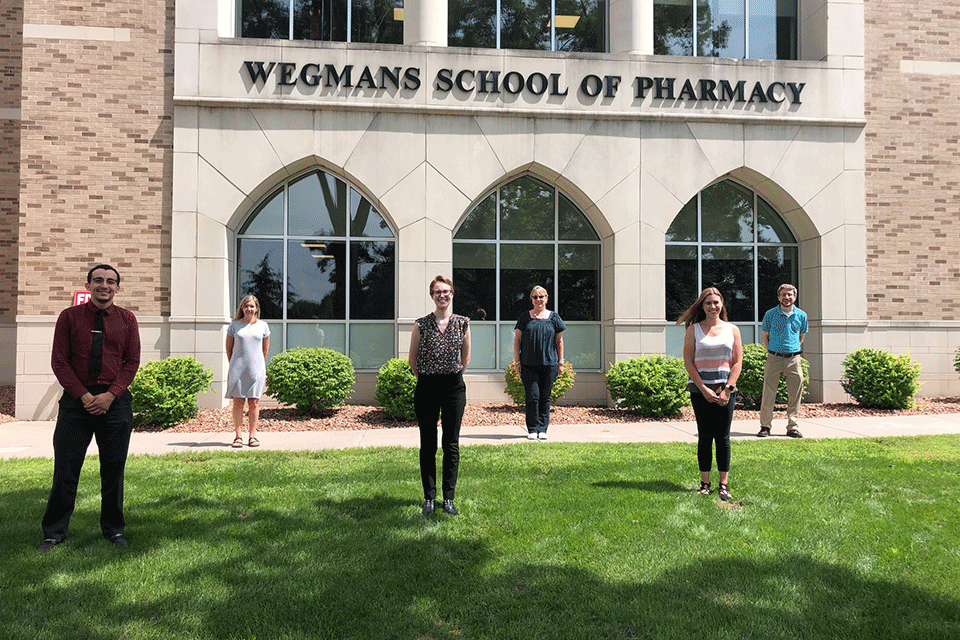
(532, 436)
(542, 436)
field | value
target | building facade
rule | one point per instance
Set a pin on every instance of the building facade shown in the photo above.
(332, 157)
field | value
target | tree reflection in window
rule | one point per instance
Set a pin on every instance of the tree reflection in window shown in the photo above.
(322, 261)
(558, 25)
(527, 233)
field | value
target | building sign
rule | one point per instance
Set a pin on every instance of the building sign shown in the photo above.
(80, 297)
(483, 81)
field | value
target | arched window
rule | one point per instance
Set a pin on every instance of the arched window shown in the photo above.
(522, 234)
(321, 260)
(546, 25)
(756, 29)
(730, 238)
(376, 21)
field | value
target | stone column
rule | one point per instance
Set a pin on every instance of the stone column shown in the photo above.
(631, 26)
(425, 22)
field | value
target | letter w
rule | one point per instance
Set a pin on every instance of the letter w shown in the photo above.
(257, 72)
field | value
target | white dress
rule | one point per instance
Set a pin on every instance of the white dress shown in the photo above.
(248, 372)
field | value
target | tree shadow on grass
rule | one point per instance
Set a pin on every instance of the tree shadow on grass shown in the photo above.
(373, 567)
(658, 486)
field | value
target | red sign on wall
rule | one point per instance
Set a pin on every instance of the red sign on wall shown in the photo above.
(80, 297)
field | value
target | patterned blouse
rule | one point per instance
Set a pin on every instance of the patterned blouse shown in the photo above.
(439, 353)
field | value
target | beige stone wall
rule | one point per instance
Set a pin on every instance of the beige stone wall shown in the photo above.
(11, 47)
(96, 150)
(912, 160)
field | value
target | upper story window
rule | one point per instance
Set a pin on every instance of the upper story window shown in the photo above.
(547, 25)
(757, 29)
(378, 21)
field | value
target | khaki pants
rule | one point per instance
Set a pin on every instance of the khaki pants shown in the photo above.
(792, 370)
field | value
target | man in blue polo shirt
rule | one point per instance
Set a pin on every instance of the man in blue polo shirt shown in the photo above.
(784, 328)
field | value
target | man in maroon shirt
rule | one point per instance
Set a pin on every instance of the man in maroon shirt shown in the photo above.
(96, 354)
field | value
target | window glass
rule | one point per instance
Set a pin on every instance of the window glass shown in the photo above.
(276, 339)
(525, 24)
(301, 272)
(755, 259)
(770, 226)
(475, 280)
(578, 278)
(522, 267)
(682, 279)
(481, 224)
(684, 226)
(727, 210)
(371, 280)
(730, 269)
(317, 207)
(261, 274)
(581, 346)
(494, 276)
(268, 219)
(326, 335)
(365, 220)
(573, 225)
(316, 280)
(483, 345)
(581, 25)
(526, 210)
(265, 19)
(377, 21)
(721, 28)
(673, 27)
(775, 266)
(472, 23)
(320, 20)
(369, 343)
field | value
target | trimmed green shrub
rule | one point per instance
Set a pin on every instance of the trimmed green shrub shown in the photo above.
(956, 361)
(515, 390)
(395, 386)
(314, 380)
(880, 380)
(750, 382)
(652, 385)
(165, 391)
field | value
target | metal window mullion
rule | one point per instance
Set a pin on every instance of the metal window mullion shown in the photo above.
(498, 46)
(496, 266)
(699, 243)
(349, 20)
(746, 34)
(553, 25)
(693, 29)
(290, 21)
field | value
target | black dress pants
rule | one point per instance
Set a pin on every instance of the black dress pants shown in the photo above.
(713, 426)
(444, 398)
(75, 428)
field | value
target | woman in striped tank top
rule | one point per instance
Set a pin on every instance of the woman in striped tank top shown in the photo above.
(713, 356)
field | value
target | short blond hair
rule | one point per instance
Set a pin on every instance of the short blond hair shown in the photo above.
(538, 290)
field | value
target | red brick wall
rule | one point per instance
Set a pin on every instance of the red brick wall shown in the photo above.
(96, 153)
(11, 46)
(912, 162)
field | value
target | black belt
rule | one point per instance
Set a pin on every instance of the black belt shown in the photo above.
(785, 355)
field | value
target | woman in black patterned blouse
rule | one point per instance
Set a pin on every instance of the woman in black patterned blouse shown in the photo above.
(439, 352)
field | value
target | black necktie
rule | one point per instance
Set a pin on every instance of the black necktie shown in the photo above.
(96, 351)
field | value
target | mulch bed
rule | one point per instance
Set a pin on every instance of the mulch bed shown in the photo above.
(355, 417)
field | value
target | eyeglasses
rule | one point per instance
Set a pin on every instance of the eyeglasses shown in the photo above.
(109, 281)
(537, 297)
(442, 293)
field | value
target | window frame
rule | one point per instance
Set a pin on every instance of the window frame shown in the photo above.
(503, 327)
(349, 239)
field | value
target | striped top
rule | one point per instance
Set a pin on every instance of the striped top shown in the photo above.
(713, 354)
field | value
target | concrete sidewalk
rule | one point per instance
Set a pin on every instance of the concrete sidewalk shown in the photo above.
(35, 439)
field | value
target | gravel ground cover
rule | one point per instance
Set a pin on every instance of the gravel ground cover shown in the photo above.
(353, 417)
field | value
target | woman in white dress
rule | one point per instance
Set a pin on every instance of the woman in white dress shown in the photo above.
(248, 341)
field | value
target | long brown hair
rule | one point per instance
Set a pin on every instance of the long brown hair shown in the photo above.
(696, 313)
(244, 301)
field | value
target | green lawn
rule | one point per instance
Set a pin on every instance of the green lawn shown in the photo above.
(830, 539)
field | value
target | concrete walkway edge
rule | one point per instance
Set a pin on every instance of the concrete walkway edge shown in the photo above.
(35, 439)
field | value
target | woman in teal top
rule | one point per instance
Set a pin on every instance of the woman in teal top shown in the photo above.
(538, 359)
